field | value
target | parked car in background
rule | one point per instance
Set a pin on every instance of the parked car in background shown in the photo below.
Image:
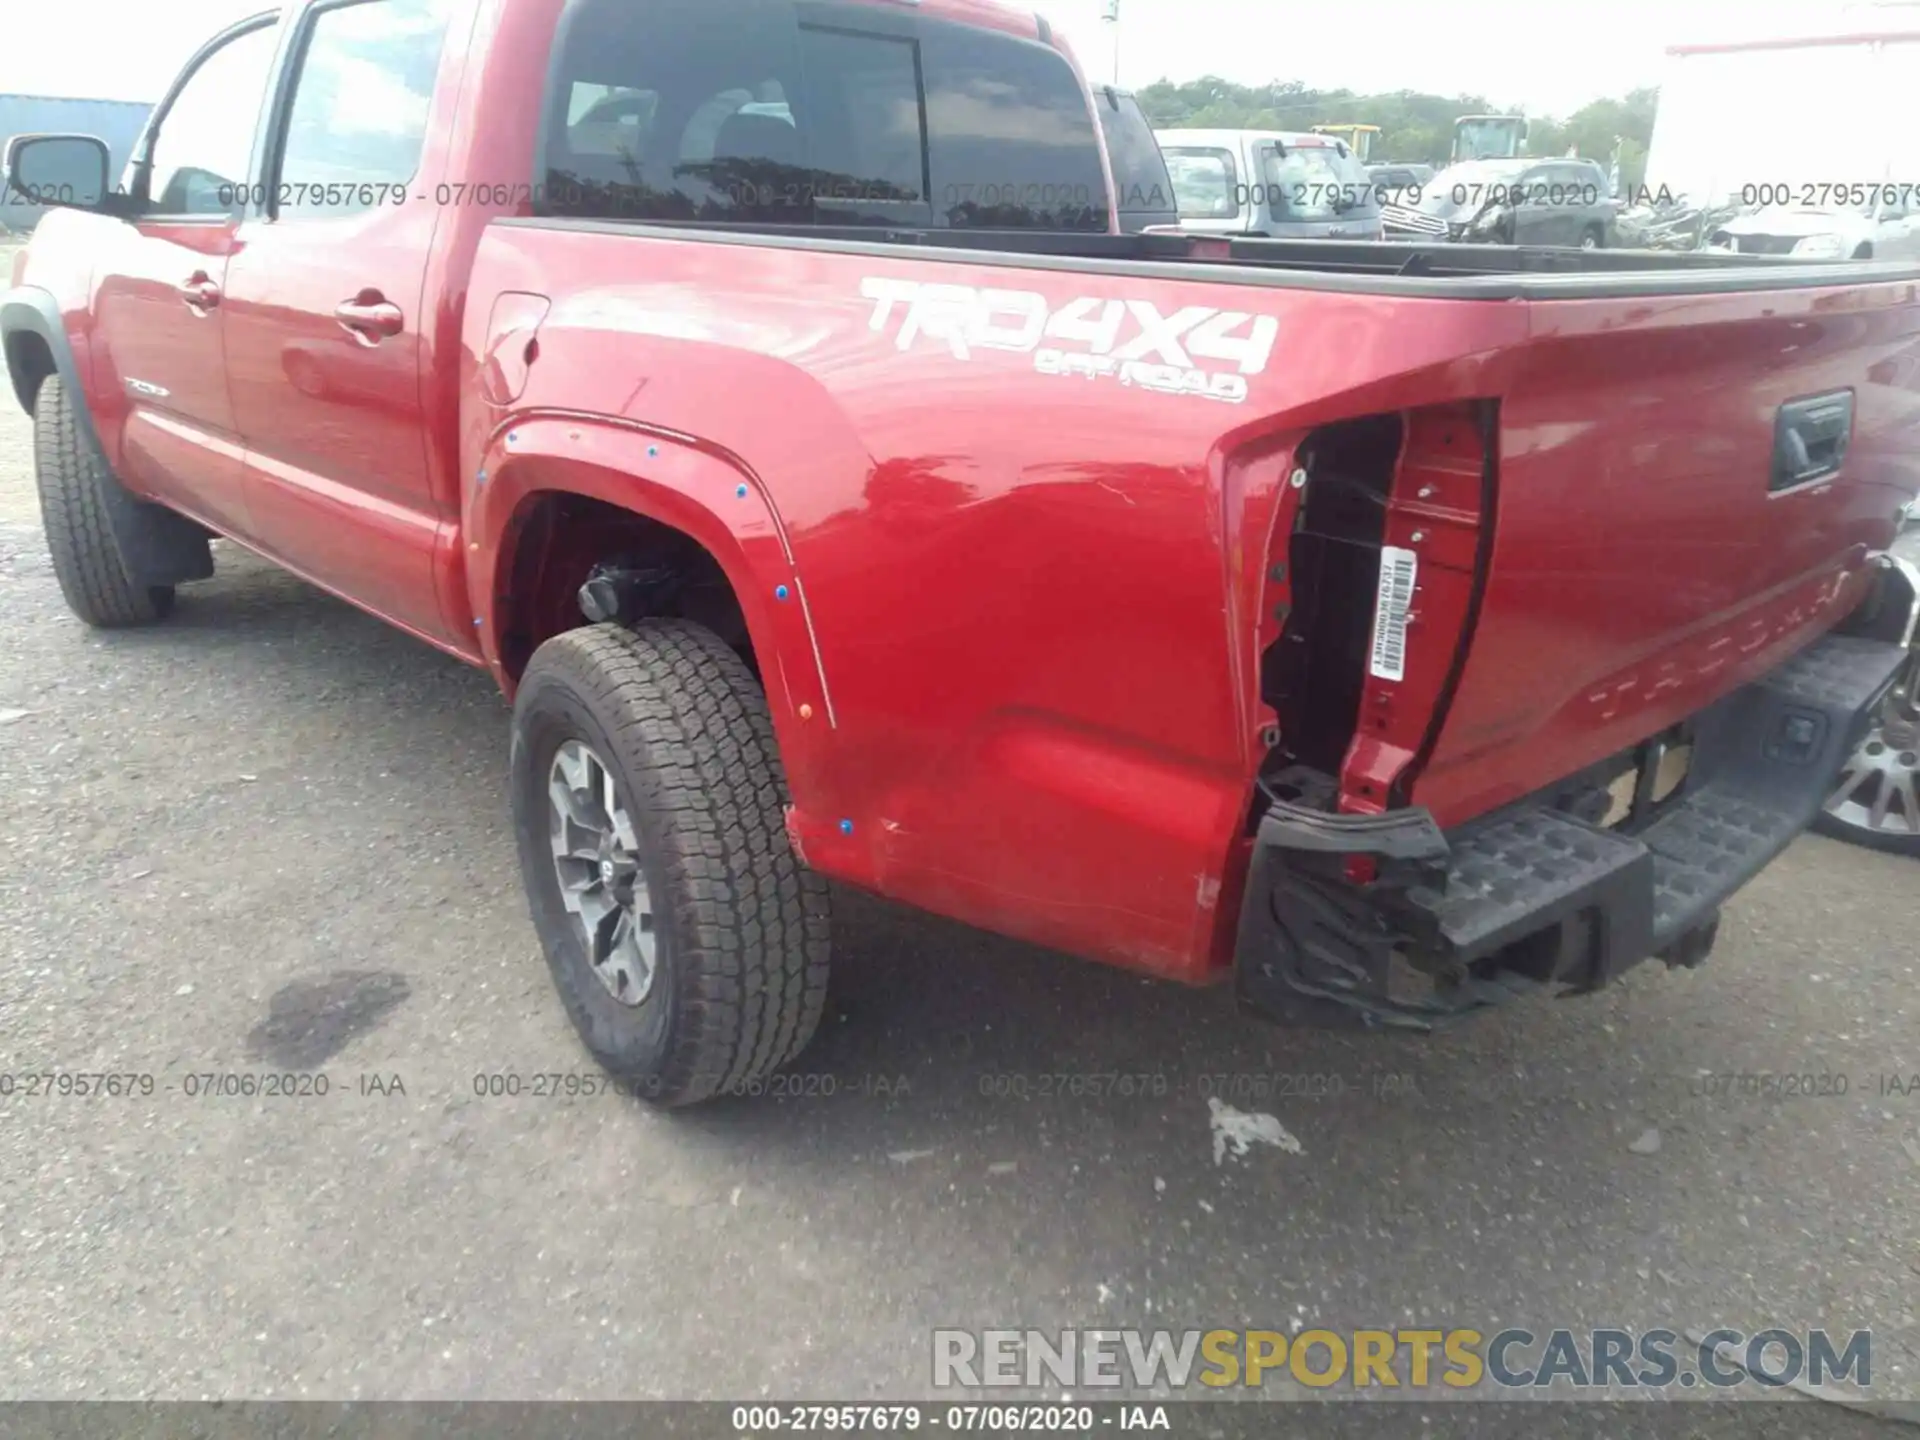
(1392, 180)
(1885, 222)
(1671, 222)
(1143, 190)
(1876, 800)
(1277, 183)
(1511, 202)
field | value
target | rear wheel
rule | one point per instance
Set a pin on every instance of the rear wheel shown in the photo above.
(1877, 800)
(1592, 238)
(77, 491)
(688, 942)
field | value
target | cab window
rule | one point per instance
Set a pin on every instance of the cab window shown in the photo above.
(203, 145)
(755, 112)
(1014, 145)
(358, 119)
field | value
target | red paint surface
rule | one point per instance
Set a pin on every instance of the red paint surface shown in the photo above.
(1025, 612)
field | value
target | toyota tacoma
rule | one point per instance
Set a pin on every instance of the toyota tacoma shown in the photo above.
(765, 394)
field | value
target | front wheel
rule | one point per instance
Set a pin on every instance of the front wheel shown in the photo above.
(1591, 238)
(688, 942)
(77, 493)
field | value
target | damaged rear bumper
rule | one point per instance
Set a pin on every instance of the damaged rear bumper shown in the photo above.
(1535, 897)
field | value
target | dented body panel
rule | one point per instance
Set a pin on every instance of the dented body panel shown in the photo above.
(1015, 539)
(1038, 585)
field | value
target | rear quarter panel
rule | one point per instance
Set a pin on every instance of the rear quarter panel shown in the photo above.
(1029, 603)
(1031, 599)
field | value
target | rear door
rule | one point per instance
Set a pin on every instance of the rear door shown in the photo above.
(1583, 190)
(160, 287)
(1540, 217)
(325, 307)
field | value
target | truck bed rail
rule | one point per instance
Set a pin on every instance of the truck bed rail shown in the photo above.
(1439, 271)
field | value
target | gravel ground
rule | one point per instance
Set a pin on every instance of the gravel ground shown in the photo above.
(271, 835)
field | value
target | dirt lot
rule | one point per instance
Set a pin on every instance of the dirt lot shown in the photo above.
(271, 836)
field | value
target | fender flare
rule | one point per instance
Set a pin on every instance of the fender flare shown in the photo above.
(29, 310)
(706, 493)
(157, 546)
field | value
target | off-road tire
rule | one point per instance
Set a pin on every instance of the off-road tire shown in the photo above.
(743, 926)
(76, 488)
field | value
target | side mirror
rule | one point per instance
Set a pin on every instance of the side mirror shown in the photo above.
(64, 170)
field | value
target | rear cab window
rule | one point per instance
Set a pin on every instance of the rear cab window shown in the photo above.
(1309, 182)
(772, 112)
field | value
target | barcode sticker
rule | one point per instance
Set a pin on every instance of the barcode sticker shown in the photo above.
(1397, 571)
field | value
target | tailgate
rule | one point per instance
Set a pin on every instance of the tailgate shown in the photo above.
(1687, 491)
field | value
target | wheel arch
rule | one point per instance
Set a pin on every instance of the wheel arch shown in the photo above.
(37, 346)
(157, 546)
(555, 494)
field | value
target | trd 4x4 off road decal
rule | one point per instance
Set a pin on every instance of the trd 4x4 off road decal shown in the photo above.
(1127, 339)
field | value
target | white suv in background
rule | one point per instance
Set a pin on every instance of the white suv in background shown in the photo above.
(1278, 183)
(1887, 229)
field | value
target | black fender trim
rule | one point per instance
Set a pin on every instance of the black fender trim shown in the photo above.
(157, 546)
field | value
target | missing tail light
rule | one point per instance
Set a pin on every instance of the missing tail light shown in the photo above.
(1383, 569)
(1313, 674)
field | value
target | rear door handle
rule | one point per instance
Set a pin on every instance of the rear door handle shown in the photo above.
(200, 293)
(370, 317)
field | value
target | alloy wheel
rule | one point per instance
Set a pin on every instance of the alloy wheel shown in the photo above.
(596, 859)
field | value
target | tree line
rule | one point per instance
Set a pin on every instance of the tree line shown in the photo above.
(1414, 126)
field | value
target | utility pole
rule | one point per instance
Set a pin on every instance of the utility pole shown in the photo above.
(1112, 17)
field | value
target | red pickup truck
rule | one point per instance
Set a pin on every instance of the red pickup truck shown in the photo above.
(765, 393)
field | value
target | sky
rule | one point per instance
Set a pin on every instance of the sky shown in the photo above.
(1551, 56)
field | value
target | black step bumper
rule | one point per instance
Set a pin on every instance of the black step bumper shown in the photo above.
(1535, 897)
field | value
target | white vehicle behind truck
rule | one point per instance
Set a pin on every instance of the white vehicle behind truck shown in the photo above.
(1846, 187)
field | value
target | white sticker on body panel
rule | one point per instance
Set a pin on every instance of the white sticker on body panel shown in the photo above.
(1398, 570)
(1086, 338)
